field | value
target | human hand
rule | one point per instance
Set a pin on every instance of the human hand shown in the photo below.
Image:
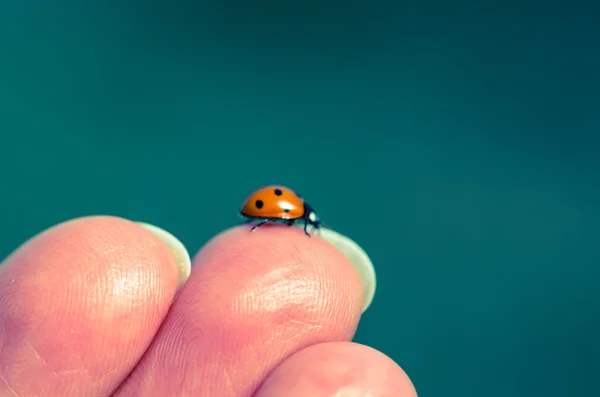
(102, 306)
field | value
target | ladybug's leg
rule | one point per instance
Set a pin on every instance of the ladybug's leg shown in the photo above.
(305, 226)
(290, 222)
(260, 224)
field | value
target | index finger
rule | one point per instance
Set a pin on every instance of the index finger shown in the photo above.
(253, 300)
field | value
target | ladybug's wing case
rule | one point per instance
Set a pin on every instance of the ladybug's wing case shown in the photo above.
(274, 202)
(283, 210)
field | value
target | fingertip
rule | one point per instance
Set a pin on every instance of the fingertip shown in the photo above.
(354, 254)
(338, 368)
(79, 304)
(275, 245)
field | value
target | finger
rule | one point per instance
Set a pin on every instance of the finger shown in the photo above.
(80, 303)
(253, 300)
(338, 369)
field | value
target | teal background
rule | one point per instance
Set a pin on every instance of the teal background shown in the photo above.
(457, 142)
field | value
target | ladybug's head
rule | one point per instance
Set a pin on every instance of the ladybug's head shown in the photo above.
(314, 219)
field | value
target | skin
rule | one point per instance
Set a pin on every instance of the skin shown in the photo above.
(91, 308)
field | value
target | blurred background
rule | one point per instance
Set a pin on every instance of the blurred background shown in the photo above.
(456, 142)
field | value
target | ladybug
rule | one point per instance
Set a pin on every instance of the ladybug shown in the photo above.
(278, 203)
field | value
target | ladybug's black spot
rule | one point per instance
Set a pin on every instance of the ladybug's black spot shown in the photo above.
(286, 209)
(259, 204)
(278, 192)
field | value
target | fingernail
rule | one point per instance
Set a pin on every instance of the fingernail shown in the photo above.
(359, 259)
(180, 253)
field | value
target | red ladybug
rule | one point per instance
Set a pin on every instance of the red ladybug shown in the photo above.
(278, 203)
